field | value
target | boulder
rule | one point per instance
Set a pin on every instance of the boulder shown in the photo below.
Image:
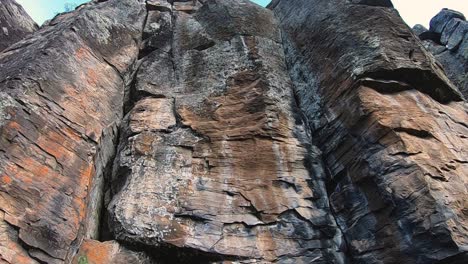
(449, 45)
(439, 22)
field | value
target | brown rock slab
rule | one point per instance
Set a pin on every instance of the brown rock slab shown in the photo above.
(232, 179)
(61, 91)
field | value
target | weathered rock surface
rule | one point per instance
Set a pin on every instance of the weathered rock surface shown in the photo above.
(215, 161)
(15, 23)
(61, 99)
(393, 131)
(95, 252)
(447, 40)
(218, 131)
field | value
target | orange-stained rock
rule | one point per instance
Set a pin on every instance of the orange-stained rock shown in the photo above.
(110, 252)
(61, 92)
(219, 131)
(215, 162)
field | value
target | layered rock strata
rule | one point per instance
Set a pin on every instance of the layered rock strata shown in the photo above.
(392, 128)
(61, 100)
(215, 161)
(447, 40)
(15, 23)
(218, 131)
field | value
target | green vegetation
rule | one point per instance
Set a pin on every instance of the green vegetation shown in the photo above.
(82, 260)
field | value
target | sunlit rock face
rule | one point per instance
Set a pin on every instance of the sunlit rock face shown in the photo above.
(219, 131)
(61, 97)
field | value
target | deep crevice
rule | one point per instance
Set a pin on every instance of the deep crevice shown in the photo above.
(329, 182)
(205, 46)
(104, 229)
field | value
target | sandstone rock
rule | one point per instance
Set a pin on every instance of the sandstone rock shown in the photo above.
(218, 131)
(15, 23)
(61, 96)
(214, 161)
(396, 148)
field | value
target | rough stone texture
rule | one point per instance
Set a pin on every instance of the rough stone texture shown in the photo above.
(61, 98)
(393, 131)
(218, 131)
(110, 252)
(15, 23)
(447, 40)
(215, 161)
(439, 22)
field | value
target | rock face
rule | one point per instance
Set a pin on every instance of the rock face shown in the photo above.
(447, 40)
(61, 99)
(15, 23)
(215, 159)
(219, 131)
(391, 128)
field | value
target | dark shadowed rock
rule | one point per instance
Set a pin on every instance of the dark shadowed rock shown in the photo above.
(419, 29)
(439, 22)
(450, 46)
(384, 3)
(15, 23)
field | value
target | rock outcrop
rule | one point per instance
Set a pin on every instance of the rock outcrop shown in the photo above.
(15, 23)
(219, 131)
(391, 127)
(61, 100)
(447, 40)
(215, 160)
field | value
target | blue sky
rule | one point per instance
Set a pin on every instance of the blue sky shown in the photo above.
(412, 11)
(41, 10)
